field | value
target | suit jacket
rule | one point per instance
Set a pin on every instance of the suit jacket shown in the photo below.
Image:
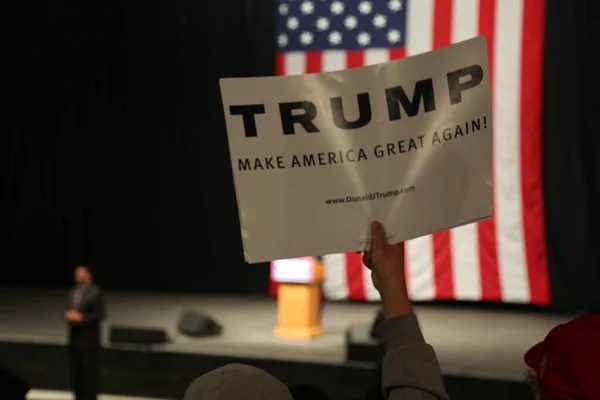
(91, 306)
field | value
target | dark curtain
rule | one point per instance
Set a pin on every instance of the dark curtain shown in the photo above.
(572, 154)
(115, 145)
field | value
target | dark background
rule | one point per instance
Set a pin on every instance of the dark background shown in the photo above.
(115, 150)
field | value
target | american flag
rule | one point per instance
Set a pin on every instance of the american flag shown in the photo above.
(500, 260)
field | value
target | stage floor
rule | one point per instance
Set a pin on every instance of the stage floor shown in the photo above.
(469, 342)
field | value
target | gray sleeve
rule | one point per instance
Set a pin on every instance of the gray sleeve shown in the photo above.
(410, 368)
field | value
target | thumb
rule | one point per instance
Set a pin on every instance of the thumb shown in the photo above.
(378, 235)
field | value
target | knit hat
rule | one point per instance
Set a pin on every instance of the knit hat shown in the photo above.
(237, 382)
(567, 361)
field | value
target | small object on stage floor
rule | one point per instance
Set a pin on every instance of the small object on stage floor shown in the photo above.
(195, 324)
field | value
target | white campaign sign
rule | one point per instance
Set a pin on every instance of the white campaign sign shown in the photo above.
(317, 157)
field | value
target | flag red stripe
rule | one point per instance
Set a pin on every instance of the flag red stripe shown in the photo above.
(442, 23)
(531, 150)
(442, 257)
(488, 256)
(279, 64)
(355, 59)
(354, 274)
(442, 268)
(396, 54)
(314, 62)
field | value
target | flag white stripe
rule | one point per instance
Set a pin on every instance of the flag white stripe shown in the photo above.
(334, 60)
(294, 63)
(376, 56)
(419, 27)
(465, 262)
(464, 240)
(335, 284)
(507, 133)
(419, 252)
(465, 18)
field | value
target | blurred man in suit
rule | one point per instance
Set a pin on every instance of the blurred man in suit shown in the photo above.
(84, 314)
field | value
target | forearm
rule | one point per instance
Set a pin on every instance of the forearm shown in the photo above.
(395, 302)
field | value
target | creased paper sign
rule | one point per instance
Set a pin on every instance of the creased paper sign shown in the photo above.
(317, 157)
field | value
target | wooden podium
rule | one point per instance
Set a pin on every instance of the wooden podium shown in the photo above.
(298, 297)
